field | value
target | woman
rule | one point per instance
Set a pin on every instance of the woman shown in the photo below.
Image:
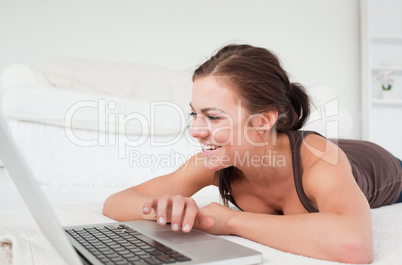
(297, 191)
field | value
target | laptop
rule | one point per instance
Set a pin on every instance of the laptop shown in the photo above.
(134, 242)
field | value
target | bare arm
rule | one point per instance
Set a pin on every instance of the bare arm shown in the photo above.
(185, 181)
(327, 236)
(125, 206)
(340, 231)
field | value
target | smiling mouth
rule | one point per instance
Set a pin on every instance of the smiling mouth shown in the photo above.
(209, 147)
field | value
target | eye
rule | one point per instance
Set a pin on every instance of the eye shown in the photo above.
(193, 114)
(211, 117)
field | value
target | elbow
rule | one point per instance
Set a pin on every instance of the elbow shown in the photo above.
(108, 208)
(356, 251)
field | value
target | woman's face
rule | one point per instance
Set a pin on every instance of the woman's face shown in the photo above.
(220, 124)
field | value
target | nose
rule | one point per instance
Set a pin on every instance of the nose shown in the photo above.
(200, 128)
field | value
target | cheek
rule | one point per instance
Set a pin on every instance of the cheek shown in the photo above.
(223, 136)
(226, 134)
(232, 136)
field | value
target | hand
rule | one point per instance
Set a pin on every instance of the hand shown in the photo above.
(220, 214)
(182, 212)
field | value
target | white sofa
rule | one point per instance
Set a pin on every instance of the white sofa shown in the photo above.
(100, 122)
(106, 120)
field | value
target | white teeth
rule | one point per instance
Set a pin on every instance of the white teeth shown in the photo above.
(209, 147)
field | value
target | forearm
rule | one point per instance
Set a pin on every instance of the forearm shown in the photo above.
(126, 205)
(326, 236)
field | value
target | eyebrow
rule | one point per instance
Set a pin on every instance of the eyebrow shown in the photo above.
(207, 109)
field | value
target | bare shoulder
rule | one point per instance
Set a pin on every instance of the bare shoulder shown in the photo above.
(327, 176)
(189, 178)
(317, 148)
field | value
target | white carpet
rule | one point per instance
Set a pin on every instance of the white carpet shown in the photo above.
(22, 243)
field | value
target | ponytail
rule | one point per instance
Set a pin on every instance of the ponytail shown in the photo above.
(301, 104)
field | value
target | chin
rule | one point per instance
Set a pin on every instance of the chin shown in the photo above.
(213, 163)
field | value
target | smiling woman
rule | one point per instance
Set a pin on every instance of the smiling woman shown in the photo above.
(298, 191)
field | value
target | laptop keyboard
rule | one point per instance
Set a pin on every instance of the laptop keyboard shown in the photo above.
(124, 245)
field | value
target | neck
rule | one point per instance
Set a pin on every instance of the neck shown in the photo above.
(270, 163)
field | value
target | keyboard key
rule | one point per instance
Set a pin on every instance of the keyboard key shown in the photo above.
(165, 258)
(155, 252)
(141, 262)
(123, 262)
(133, 258)
(116, 258)
(133, 248)
(153, 261)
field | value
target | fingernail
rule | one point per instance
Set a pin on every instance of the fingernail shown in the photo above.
(145, 209)
(175, 227)
(186, 227)
(161, 220)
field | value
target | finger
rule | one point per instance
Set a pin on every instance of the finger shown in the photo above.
(162, 209)
(190, 215)
(177, 212)
(148, 205)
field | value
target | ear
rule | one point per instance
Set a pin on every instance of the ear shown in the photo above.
(264, 121)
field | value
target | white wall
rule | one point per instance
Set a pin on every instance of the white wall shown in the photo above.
(317, 40)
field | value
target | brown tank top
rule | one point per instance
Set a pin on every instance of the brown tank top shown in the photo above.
(376, 171)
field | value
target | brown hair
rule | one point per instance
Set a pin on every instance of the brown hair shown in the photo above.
(257, 76)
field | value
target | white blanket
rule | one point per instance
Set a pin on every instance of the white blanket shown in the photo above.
(21, 242)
